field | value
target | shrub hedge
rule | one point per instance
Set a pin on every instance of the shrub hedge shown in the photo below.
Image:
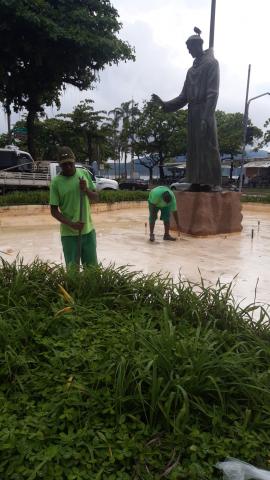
(41, 197)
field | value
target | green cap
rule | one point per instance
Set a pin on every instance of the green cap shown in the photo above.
(65, 154)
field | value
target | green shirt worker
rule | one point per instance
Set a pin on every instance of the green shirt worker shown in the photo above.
(78, 236)
(163, 199)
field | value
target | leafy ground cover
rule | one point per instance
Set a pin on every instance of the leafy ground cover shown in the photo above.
(109, 374)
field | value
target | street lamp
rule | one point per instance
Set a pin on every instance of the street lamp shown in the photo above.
(245, 122)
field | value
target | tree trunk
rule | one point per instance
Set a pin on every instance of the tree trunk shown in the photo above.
(132, 165)
(30, 123)
(8, 112)
(119, 163)
(125, 172)
(89, 148)
(150, 174)
(160, 166)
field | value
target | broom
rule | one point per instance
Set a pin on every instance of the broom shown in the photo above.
(79, 246)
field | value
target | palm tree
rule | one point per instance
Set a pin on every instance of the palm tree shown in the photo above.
(123, 121)
(116, 147)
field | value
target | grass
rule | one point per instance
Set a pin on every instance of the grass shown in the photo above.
(128, 377)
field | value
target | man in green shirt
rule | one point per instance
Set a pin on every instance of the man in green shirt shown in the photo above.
(68, 190)
(163, 199)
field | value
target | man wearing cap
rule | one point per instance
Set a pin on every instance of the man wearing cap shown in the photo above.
(200, 92)
(163, 199)
(68, 204)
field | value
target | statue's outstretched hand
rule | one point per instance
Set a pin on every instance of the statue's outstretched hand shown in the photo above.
(157, 100)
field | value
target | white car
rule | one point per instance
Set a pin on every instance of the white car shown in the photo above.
(103, 183)
(180, 186)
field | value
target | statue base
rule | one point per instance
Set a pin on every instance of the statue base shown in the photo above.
(212, 213)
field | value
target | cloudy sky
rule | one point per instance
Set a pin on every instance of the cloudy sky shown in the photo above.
(158, 30)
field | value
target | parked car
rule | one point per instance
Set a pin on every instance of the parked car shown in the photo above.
(181, 186)
(101, 183)
(15, 160)
(134, 184)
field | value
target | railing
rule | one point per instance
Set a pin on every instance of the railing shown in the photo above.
(23, 178)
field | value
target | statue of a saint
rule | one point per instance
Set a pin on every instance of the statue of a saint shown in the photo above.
(200, 92)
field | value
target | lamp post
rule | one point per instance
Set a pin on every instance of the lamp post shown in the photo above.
(245, 124)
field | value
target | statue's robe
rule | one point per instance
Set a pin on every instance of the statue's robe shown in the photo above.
(200, 92)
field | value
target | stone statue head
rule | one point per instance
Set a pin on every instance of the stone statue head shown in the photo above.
(195, 44)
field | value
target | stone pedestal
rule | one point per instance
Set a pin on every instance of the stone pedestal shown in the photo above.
(203, 214)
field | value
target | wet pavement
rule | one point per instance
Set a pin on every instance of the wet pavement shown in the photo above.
(122, 238)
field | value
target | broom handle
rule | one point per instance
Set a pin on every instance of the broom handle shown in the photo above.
(79, 251)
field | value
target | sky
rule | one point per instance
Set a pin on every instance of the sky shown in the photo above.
(158, 30)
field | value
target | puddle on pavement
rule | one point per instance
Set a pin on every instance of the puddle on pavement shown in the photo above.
(122, 239)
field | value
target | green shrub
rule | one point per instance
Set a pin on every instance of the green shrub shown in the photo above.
(256, 198)
(41, 197)
(35, 197)
(133, 377)
(110, 196)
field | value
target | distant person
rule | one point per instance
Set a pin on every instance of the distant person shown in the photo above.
(77, 235)
(162, 199)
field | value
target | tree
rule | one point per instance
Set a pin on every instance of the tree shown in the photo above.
(266, 135)
(52, 132)
(46, 44)
(230, 132)
(116, 114)
(93, 127)
(149, 162)
(129, 111)
(4, 140)
(122, 123)
(160, 135)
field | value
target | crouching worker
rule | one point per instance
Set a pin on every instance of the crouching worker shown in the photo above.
(70, 193)
(163, 199)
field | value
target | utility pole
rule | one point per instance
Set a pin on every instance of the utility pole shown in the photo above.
(212, 24)
(245, 122)
(132, 170)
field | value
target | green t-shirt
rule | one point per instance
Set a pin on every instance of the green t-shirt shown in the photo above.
(65, 194)
(155, 197)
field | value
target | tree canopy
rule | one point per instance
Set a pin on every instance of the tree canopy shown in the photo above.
(46, 44)
(154, 136)
(160, 135)
(230, 132)
(93, 127)
(266, 136)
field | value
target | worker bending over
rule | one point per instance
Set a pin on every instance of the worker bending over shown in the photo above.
(163, 199)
